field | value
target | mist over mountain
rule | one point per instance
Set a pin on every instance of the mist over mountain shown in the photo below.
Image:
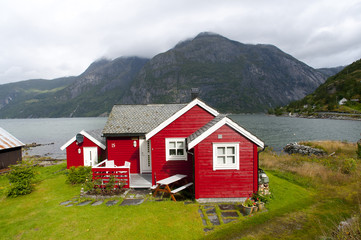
(231, 76)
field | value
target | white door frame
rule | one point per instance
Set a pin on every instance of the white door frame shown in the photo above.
(145, 156)
(91, 159)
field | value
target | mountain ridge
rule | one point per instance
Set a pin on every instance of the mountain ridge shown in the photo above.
(232, 77)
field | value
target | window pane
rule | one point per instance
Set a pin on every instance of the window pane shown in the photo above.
(231, 160)
(230, 150)
(221, 150)
(180, 152)
(221, 160)
(171, 144)
(180, 145)
(172, 152)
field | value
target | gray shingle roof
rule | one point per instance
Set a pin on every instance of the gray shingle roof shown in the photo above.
(138, 119)
(97, 134)
(206, 127)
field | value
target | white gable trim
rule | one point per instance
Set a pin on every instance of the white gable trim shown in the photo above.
(231, 124)
(180, 113)
(91, 138)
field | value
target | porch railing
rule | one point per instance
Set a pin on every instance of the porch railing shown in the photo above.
(103, 171)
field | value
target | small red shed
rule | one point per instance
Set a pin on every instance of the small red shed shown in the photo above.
(85, 149)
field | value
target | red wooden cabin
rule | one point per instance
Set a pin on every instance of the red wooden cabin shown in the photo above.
(161, 140)
(85, 149)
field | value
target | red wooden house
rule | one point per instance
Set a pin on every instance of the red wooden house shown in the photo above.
(85, 149)
(161, 140)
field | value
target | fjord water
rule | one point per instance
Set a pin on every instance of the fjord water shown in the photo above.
(276, 132)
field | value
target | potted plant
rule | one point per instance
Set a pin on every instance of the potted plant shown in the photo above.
(248, 206)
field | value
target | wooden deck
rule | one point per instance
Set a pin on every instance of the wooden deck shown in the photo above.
(140, 180)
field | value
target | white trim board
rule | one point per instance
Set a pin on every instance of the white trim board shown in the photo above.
(231, 124)
(87, 135)
(180, 113)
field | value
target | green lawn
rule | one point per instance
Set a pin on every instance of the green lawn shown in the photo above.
(295, 212)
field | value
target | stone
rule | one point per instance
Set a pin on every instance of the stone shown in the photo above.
(228, 220)
(127, 202)
(97, 203)
(292, 148)
(112, 203)
(84, 203)
(227, 207)
(211, 211)
(214, 219)
(65, 203)
(229, 214)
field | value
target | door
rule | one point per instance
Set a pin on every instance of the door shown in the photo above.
(145, 156)
(90, 156)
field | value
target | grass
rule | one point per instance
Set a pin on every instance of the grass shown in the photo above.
(311, 196)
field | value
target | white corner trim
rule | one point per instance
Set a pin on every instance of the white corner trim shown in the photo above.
(91, 138)
(231, 124)
(180, 113)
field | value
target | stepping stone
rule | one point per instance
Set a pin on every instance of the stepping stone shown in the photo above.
(228, 220)
(227, 207)
(70, 205)
(127, 202)
(84, 203)
(204, 222)
(200, 213)
(97, 203)
(65, 203)
(207, 229)
(230, 214)
(112, 203)
(139, 196)
(214, 219)
(211, 211)
(208, 207)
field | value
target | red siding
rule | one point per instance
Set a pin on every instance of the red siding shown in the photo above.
(182, 127)
(121, 149)
(74, 158)
(225, 183)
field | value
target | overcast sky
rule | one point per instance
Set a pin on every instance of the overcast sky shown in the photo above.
(56, 38)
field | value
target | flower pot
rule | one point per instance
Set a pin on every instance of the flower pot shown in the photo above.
(247, 210)
(260, 206)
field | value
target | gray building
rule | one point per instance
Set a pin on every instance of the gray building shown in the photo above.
(10, 149)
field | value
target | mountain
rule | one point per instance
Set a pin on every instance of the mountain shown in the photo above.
(92, 93)
(330, 71)
(231, 76)
(326, 98)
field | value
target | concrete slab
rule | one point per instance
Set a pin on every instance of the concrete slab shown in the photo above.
(127, 202)
(97, 203)
(227, 207)
(65, 203)
(211, 211)
(214, 219)
(84, 203)
(228, 220)
(230, 214)
(111, 203)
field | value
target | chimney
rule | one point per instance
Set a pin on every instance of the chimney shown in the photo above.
(194, 93)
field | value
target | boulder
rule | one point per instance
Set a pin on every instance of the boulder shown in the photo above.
(292, 148)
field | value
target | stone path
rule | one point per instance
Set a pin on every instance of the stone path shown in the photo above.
(218, 214)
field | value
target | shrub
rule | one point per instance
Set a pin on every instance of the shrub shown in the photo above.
(21, 178)
(77, 175)
(348, 166)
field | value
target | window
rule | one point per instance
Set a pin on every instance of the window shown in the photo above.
(225, 156)
(175, 149)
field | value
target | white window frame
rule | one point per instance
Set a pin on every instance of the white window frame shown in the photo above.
(226, 166)
(175, 157)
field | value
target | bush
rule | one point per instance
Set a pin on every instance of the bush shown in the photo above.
(77, 175)
(21, 178)
(348, 166)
